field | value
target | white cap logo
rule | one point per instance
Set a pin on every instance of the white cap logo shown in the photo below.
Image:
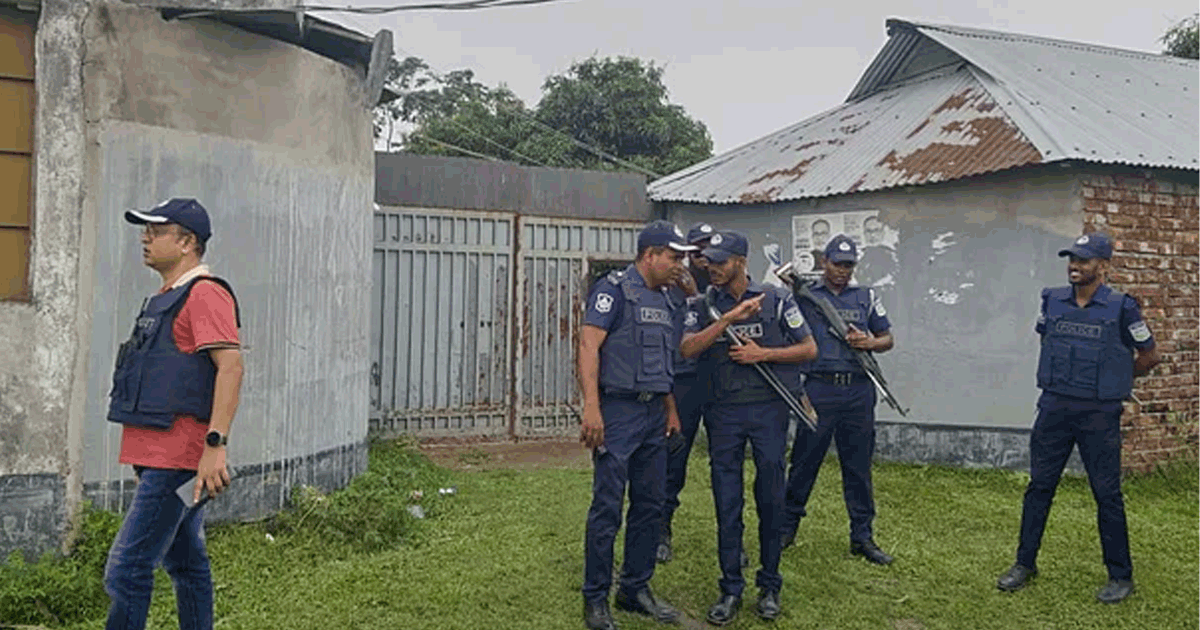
(716, 239)
(1082, 240)
(844, 246)
(706, 228)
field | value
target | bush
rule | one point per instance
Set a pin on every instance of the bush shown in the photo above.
(60, 589)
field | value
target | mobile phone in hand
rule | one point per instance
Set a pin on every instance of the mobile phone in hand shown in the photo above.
(188, 490)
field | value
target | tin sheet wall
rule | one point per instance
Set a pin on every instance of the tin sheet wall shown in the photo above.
(293, 238)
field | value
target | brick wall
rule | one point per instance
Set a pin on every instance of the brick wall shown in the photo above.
(1154, 219)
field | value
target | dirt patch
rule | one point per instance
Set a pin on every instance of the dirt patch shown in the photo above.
(523, 455)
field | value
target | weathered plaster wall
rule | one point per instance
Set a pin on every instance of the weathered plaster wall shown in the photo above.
(40, 340)
(971, 258)
(277, 142)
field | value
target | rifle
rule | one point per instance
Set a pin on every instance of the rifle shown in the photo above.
(837, 328)
(809, 416)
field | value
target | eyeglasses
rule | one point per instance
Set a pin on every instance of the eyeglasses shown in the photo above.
(157, 230)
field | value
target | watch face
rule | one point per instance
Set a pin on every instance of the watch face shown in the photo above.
(213, 438)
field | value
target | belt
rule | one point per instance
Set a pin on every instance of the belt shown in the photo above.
(839, 378)
(642, 397)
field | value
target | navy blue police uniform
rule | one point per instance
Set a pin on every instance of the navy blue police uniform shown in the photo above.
(744, 408)
(692, 385)
(1085, 371)
(844, 399)
(637, 366)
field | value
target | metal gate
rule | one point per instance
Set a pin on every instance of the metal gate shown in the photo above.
(441, 322)
(552, 274)
(457, 349)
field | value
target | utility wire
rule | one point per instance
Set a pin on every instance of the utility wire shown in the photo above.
(494, 143)
(455, 147)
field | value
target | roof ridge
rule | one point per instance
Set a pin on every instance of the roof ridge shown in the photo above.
(967, 31)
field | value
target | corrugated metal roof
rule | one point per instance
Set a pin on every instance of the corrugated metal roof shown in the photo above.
(1014, 100)
(940, 127)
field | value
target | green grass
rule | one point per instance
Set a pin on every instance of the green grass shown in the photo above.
(506, 551)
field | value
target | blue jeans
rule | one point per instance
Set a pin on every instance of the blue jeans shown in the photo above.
(159, 528)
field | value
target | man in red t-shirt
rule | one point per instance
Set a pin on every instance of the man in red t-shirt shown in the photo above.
(175, 390)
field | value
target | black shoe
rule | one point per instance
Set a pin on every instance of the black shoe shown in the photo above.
(869, 550)
(788, 538)
(1115, 591)
(644, 603)
(768, 605)
(1015, 578)
(745, 560)
(725, 610)
(597, 616)
(663, 554)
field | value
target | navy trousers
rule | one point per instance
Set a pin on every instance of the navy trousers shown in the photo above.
(765, 426)
(691, 396)
(847, 413)
(1061, 423)
(634, 454)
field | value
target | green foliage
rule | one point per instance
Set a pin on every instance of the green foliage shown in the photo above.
(58, 589)
(373, 512)
(1183, 39)
(618, 105)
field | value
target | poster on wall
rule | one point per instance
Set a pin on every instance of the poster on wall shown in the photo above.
(877, 263)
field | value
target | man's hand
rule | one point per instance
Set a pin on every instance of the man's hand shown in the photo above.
(212, 474)
(859, 340)
(673, 424)
(591, 432)
(749, 353)
(744, 310)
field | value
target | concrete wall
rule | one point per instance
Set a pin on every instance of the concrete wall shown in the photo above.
(276, 142)
(971, 257)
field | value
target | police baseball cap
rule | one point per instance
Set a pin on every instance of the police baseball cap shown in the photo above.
(700, 232)
(181, 211)
(841, 248)
(722, 245)
(663, 234)
(1094, 245)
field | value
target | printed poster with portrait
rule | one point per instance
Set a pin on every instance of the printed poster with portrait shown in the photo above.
(876, 244)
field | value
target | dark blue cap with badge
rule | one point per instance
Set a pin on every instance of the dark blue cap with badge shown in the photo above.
(663, 234)
(182, 211)
(1094, 245)
(700, 232)
(722, 245)
(841, 248)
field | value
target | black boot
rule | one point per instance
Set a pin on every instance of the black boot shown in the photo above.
(597, 616)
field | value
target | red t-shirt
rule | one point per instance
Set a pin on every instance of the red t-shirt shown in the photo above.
(207, 319)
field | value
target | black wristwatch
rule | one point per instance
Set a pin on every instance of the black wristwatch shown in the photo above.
(216, 438)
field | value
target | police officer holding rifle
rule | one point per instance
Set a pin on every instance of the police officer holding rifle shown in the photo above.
(746, 408)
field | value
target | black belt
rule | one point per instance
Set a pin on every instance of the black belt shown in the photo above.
(642, 397)
(839, 378)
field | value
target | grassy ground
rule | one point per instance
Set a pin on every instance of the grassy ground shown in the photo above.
(506, 552)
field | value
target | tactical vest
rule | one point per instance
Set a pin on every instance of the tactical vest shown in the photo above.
(734, 383)
(679, 302)
(1082, 353)
(854, 305)
(153, 381)
(639, 354)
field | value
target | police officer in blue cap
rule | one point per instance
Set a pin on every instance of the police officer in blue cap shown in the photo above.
(844, 398)
(745, 408)
(626, 373)
(691, 385)
(1094, 342)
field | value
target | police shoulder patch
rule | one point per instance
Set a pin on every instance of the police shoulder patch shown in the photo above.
(691, 319)
(604, 302)
(793, 317)
(1139, 331)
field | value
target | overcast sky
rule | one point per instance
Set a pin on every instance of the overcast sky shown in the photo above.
(743, 68)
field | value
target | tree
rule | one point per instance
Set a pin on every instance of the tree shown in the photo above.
(618, 107)
(1183, 39)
